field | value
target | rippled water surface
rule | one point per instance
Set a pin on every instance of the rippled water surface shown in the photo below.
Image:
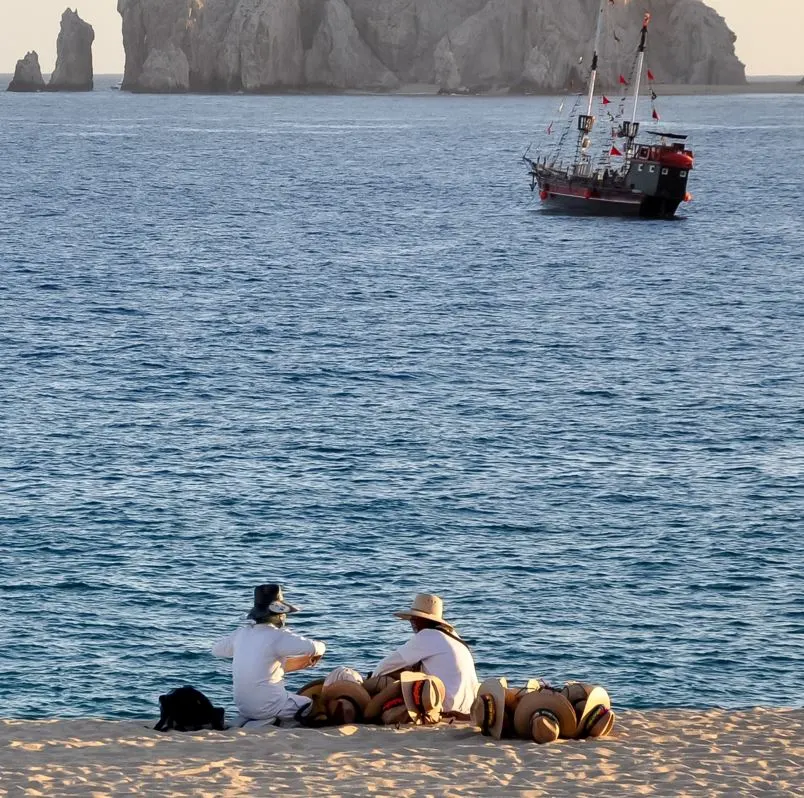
(333, 341)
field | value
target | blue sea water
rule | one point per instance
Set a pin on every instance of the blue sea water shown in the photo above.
(333, 341)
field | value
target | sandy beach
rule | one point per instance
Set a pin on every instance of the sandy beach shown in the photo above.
(659, 753)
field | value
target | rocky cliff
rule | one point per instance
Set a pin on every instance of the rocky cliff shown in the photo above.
(73, 70)
(475, 45)
(27, 75)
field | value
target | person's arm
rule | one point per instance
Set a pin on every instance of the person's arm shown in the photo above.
(293, 645)
(224, 647)
(406, 656)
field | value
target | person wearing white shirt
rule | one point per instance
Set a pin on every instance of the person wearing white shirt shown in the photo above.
(437, 649)
(261, 652)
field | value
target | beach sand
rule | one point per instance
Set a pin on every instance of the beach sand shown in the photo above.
(659, 753)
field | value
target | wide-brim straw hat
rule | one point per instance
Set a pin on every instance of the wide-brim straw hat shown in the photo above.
(344, 674)
(513, 695)
(395, 714)
(424, 695)
(348, 692)
(374, 708)
(592, 706)
(544, 715)
(426, 606)
(313, 690)
(488, 708)
(376, 684)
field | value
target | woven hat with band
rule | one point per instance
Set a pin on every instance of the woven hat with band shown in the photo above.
(424, 696)
(313, 690)
(488, 708)
(345, 701)
(545, 715)
(387, 698)
(592, 704)
(426, 606)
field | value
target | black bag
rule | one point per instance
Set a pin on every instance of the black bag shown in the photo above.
(188, 709)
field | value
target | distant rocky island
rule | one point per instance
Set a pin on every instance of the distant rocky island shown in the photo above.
(382, 45)
(73, 70)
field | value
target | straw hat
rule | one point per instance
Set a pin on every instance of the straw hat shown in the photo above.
(592, 708)
(343, 674)
(427, 606)
(395, 713)
(513, 695)
(345, 701)
(544, 715)
(313, 690)
(424, 696)
(374, 708)
(488, 709)
(376, 684)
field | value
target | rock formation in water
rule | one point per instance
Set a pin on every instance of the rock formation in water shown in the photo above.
(27, 75)
(470, 45)
(73, 55)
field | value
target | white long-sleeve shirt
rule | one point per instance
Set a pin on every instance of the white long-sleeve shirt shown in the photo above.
(259, 652)
(443, 656)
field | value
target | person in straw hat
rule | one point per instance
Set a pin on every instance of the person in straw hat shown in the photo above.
(261, 652)
(438, 650)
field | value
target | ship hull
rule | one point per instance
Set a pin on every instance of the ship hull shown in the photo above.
(588, 199)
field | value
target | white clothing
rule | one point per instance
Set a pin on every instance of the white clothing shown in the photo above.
(259, 652)
(443, 656)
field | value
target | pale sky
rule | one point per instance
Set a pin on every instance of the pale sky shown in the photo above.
(770, 33)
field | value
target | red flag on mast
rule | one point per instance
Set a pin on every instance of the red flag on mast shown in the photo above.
(614, 151)
(650, 75)
(623, 81)
(655, 114)
(606, 100)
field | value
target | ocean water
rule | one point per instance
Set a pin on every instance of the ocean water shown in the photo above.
(333, 341)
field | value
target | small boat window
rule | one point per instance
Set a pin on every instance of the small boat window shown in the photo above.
(683, 172)
(643, 152)
(641, 166)
(665, 171)
(652, 169)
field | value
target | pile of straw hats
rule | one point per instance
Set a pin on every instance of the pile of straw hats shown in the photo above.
(542, 713)
(413, 698)
(343, 699)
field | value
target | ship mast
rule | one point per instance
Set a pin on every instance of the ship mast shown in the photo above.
(593, 74)
(586, 121)
(640, 64)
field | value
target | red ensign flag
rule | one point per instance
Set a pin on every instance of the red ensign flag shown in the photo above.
(650, 75)
(615, 151)
(655, 114)
(606, 100)
(623, 81)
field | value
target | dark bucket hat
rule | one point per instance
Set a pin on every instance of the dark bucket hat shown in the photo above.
(268, 601)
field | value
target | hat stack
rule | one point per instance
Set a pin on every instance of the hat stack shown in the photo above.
(413, 698)
(345, 702)
(387, 706)
(593, 712)
(312, 690)
(495, 706)
(544, 715)
(424, 697)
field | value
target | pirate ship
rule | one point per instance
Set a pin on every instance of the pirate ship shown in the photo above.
(628, 174)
